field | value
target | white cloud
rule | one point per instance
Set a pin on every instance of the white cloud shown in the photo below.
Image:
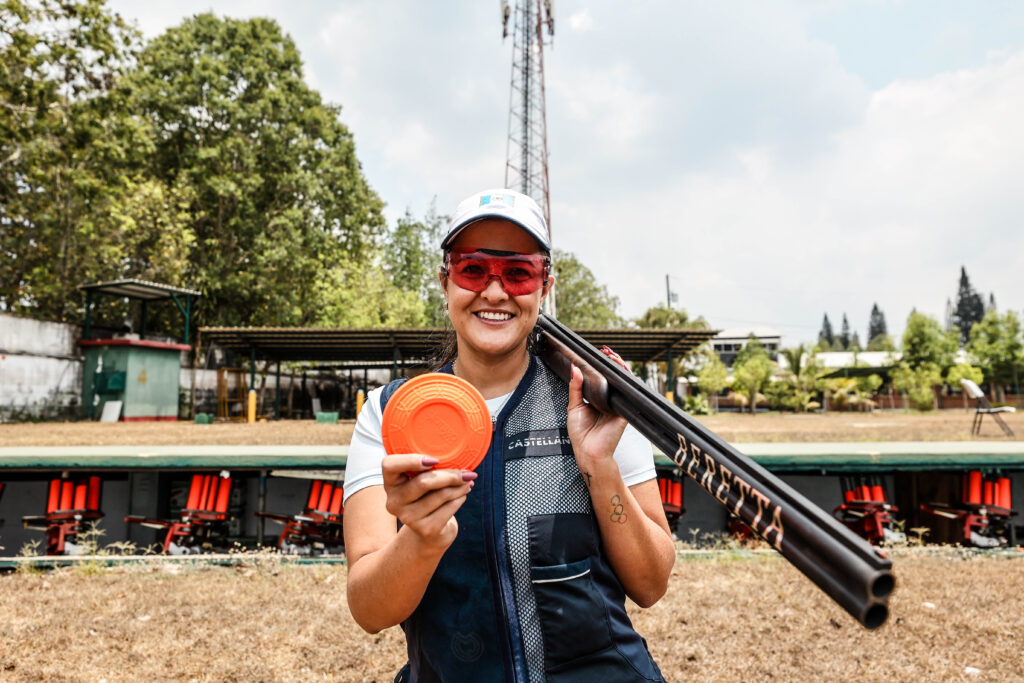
(929, 180)
(581, 21)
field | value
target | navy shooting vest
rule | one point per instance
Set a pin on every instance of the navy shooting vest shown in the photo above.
(525, 592)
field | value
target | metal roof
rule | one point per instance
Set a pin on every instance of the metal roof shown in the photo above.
(417, 344)
(139, 289)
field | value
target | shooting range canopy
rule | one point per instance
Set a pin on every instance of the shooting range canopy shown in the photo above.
(409, 345)
(138, 289)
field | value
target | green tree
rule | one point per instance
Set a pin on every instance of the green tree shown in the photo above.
(970, 307)
(962, 371)
(844, 334)
(353, 295)
(665, 317)
(997, 343)
(65, 135)
(582, 302)
(826, 338)
(876, 325)
(712, 377)
(924, 341)
(751, 371)
(413, 257)
(917, 383)
(881, 342)
(276, 194)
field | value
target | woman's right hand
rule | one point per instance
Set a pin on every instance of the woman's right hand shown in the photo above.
(427, 501)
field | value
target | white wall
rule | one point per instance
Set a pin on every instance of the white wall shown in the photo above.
(40, 368)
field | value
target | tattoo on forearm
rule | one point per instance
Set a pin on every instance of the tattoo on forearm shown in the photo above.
(617, 516)
(587, 481)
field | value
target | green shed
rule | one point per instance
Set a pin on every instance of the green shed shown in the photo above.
(143, 374)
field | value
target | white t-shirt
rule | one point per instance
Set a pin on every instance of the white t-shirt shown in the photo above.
(633, 454)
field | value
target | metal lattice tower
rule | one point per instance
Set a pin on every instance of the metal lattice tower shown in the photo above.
(526, 166)
(526, 157)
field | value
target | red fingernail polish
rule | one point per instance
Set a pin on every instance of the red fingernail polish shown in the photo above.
(469, 476)
(428, 461)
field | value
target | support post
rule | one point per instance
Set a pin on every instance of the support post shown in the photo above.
(88, 314)
(261, 505)
(670, 389)
(277, 392)
(142, 319)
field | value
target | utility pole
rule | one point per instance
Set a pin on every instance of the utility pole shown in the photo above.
(526, 158)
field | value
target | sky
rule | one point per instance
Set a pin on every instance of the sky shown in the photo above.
(776, 161)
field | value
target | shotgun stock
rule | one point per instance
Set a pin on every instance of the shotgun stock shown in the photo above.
(852, 572)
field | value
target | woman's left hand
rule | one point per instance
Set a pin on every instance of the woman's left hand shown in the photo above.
(594, 434)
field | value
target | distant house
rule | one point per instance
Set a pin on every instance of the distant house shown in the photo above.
(849, 359)
(728, 343)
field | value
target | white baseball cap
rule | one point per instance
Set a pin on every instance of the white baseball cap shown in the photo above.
(506, 204)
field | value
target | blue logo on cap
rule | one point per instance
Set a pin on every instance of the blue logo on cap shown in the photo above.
(506, 199)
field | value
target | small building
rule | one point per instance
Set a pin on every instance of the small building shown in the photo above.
(727, 343)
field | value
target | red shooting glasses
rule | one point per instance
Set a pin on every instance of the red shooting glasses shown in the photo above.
(519, 274)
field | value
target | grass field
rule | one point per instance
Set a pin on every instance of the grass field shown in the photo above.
(946, 425)
(726, 618)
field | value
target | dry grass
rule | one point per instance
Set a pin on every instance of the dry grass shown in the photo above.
(943, 425)
(947, 425)
(727, 618)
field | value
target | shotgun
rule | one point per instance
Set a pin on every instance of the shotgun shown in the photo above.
(852, 572)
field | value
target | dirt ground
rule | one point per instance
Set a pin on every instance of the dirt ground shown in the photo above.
(954, 616)
(946, 425)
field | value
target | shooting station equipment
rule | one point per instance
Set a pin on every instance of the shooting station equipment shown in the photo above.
(671, 489)
(203, 525)
(318, 527)
(69, 504)
(439, 415)
(865, 510)
(851, 572)
(986, 509)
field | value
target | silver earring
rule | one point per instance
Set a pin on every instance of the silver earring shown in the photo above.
(445, 306)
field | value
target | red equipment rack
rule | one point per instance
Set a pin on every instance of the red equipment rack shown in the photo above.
(671, 488)
(318, 526)
(69, 503)
(985, 507)
(865, 509)
(203, 524)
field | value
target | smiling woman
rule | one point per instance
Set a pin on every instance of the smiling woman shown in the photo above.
(518, 570)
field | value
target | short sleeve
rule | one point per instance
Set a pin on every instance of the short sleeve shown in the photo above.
(635, 457)
(366, 450)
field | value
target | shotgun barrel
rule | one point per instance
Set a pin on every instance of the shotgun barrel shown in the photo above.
(853, 573)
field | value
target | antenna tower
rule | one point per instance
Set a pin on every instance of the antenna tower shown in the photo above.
(526, 165)
(526, 156)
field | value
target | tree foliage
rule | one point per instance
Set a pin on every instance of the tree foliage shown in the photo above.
(580, 301)
(998, 345)
(412, 256)
(844, 334)
(277, 196)
(64, 137)
(199, 159)
(918, 383)
(970, 307)
(751, 371)
(663, 317)
(712, 377)
(826, 338)
(876, 325)
(924, 342)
